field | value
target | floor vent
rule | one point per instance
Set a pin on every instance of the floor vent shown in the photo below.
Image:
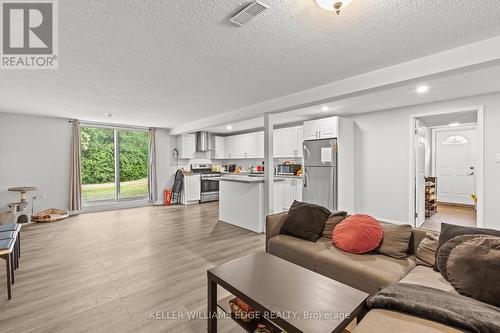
(249, 12)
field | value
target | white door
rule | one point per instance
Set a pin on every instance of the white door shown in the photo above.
(455, 165)
(419, 174)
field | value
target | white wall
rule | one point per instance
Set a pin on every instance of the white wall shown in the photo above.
(382, 159)
(35, 151)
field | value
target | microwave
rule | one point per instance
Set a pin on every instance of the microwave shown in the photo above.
(288, 169)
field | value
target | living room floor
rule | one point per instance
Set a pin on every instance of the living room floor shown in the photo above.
(458, 215)
(109, 271)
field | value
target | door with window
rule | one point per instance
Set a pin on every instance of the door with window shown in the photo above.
(114, 164)
(455, 165)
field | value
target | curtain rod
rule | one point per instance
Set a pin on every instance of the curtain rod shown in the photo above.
(118, 126)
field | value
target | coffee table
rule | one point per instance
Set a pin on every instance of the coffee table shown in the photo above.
(291, 297)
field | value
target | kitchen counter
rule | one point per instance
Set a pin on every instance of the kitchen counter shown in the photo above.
(244, 179)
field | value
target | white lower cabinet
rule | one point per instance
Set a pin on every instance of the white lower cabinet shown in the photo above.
(291, 190)
(191, 189)
(278, 197)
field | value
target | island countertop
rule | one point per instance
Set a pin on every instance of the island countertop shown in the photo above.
(244, 179)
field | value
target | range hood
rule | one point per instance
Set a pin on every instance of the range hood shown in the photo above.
(204, 141)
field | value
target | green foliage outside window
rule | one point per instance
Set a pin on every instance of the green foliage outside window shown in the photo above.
(98, 160)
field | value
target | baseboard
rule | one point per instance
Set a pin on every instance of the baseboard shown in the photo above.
(455, 204)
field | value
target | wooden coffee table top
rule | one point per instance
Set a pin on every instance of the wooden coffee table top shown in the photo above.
(280, 287)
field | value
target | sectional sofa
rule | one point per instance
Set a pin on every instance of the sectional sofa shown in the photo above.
(366, 272)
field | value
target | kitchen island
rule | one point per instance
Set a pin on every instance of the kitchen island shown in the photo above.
(241, 201)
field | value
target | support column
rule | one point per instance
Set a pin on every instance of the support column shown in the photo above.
(268, 164)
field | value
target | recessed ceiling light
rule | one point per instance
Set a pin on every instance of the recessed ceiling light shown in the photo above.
(229, 127)
(422, 89)
(325, 108)
(109, 115)
(333, 5)
(454, 124)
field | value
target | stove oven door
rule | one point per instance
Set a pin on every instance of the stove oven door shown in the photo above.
(209, 190)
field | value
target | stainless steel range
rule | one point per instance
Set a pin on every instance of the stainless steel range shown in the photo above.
(209, 188)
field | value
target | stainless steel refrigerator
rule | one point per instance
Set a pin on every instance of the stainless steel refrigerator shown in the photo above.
(320, 173)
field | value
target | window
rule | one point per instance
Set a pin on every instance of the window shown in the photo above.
(455, 140)
(114, 164)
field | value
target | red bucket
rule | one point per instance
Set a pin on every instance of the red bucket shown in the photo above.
(167, 196)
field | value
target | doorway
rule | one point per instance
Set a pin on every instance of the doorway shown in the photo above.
(446, 168)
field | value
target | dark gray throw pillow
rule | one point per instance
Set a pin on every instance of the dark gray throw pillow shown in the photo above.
(444, 252)
(305, 220)
(473, 267)
(449, 231)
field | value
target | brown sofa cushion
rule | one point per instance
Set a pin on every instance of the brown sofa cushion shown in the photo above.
(448, 231)
(332, 221)
(367, 272)
(396, 240)
(426, 251)
(473, 267)
(305, 221)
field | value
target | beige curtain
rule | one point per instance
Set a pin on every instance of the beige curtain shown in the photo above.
(75, 191)
(153, 195)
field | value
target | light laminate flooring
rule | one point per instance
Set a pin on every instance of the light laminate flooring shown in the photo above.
(459, 215)
(121, 271)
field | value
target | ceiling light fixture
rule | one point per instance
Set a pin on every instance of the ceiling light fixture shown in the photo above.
(229, 127)
(333, 5)
(455, 124)
(325, 108)
(422, 89)
(109, 115)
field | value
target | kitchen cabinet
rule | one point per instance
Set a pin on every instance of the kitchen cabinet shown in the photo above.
(191, 189)
(186, 145)
(292, 190)
(260, 145)
(243, 146)
(219, 149)
(325, 128)
(248, 145)
(278, 197)
(288, 142)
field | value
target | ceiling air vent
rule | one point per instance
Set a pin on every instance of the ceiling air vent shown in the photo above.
(249, 12)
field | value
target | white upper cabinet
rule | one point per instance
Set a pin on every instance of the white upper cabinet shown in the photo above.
(186, 145)
(260, 145)
(219, 152)
(326, 128)
(248, 145)
(287, 142)
(300, 140)
(311, 130)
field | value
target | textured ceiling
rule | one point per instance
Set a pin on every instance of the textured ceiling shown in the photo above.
(166, 63)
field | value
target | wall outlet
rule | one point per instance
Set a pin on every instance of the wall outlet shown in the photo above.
(497, 158)
(44, 196)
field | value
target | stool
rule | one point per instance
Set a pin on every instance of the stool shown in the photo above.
(6, 253)
(13, 227)
(15, 254)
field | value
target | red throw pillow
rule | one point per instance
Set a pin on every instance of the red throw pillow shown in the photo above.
(358, 234)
